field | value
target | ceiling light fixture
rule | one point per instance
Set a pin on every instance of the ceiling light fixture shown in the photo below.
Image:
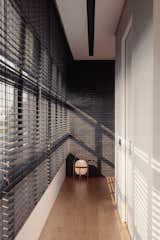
(91, 22)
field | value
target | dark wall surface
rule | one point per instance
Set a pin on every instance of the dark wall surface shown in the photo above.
(90, 88)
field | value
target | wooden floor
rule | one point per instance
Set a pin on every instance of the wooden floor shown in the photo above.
(84, 210)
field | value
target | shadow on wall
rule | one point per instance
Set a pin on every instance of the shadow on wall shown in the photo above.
(92, 141)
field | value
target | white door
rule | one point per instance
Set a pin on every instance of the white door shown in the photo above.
(129, 127)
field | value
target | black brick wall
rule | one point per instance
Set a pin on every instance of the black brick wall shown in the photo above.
(90, 88)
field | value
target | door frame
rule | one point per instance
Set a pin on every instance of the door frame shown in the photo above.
(124, 160)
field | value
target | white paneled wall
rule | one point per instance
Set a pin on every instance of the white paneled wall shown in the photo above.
(138, 173)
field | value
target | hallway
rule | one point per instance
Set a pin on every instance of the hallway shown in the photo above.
(84, 210)
(79, 95)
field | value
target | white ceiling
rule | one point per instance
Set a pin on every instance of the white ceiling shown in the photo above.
(73, 14)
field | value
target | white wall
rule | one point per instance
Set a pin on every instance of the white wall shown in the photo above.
(146, 129)
(119, 116)
(36, 221)
(155, 161)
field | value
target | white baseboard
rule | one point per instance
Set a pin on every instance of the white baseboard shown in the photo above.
(33, 226)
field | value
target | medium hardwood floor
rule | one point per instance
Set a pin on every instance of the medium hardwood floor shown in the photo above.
(84, 210)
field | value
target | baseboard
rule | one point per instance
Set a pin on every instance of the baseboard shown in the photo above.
(33, 226)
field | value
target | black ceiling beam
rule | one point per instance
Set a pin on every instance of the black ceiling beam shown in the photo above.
(91, 22)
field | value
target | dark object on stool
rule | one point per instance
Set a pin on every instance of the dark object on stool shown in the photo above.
(93, 171)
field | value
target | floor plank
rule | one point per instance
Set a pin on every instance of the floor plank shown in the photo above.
(84, 210)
